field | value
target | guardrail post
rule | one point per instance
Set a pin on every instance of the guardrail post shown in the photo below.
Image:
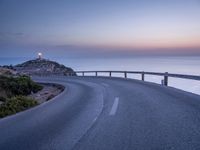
(166, 79)
(125, 74)
(83, 73)
(162, 82)
(96, 73)
(110, 73)
(142, 76)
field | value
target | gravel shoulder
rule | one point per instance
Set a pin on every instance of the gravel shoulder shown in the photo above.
(49, 91)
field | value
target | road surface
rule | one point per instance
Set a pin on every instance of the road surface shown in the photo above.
(99, 113)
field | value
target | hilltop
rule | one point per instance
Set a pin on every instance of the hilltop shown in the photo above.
(43, 67)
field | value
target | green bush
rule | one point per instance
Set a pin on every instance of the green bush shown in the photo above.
(22, 85)
(2, 99)
(16, 104)
(13, 87)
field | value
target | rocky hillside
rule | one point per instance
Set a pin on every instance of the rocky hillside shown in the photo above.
(43, 67)
(6, 71)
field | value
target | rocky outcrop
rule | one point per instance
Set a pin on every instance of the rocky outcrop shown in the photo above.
(6, 71)
(43, 67)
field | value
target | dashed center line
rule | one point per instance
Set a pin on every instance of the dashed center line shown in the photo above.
(114, 106)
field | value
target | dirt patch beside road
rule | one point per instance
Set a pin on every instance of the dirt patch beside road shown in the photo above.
(49, 91)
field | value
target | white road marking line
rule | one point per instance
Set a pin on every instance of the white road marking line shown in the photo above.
(114, 107)
(95, 119)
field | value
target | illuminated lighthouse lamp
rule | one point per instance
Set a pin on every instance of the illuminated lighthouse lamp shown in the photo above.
(39, 55)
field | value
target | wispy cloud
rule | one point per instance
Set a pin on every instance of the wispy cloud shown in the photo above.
(11, 37)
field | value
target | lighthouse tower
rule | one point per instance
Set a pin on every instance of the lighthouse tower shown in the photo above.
(39, 55)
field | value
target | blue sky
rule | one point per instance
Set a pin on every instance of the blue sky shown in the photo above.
(93, 27)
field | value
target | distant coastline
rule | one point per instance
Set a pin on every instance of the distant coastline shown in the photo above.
(172, 64)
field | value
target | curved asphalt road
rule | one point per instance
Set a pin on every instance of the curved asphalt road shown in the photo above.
(106, 114)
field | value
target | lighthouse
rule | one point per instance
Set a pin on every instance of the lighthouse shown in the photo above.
(39, 55)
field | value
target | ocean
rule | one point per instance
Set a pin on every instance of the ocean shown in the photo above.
(172, 64)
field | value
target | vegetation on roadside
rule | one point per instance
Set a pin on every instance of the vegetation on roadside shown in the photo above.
(16, 104)
(21, 85)
(13, 94)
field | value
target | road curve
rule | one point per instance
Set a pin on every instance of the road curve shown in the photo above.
(99, 113)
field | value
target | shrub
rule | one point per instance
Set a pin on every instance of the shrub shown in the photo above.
(2, 99)
(16, 104)
(22, 85)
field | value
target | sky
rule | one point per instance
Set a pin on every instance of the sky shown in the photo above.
(89, 28)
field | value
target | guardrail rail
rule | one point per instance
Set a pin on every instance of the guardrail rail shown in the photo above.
(166, 75)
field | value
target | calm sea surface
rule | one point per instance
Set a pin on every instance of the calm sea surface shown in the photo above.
(171, 64)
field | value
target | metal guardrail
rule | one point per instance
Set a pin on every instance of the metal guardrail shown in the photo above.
(166, 75)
